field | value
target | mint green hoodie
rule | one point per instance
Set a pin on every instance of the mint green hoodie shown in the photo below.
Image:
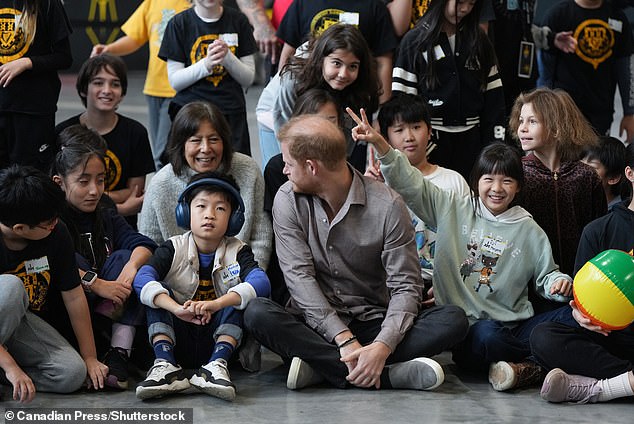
(483, 263)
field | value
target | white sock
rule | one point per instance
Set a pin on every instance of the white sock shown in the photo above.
(615, 387)
(123, 336)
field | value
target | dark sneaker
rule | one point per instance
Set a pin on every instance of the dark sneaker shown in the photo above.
(214, 380)
(117, 361)
(562, 387)
(162, 379)
(301, 375)
(416, 374)
(509, 375)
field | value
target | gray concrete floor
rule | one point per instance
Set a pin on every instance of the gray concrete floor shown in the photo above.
(263, 397)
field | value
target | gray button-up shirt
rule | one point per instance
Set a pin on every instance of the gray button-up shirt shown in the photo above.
(363, 265)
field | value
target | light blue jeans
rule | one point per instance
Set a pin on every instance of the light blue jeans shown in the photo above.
(269, 146)
(42, 353)
(160, 124)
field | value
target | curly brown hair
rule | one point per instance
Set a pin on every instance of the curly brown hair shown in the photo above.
(563, 123)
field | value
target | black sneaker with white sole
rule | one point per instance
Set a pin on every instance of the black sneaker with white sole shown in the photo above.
(214, 380)
(116, 359)
(162, 379)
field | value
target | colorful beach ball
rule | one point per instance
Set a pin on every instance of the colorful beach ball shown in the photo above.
(604, 289)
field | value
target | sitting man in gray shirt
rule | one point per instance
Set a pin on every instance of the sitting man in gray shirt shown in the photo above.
(346, 247)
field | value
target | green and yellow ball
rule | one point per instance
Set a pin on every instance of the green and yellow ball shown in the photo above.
(604, 289)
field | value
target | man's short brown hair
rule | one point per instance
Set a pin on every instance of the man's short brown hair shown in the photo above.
(316, 138)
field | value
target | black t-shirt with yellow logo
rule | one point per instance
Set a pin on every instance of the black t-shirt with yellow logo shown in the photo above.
(129, 154)
(34, 91)
(589, 74)
(46, 267)
(186, 39)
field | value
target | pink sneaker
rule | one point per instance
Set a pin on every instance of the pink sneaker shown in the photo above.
(562, 387)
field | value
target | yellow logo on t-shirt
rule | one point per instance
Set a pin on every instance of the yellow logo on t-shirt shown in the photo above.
(113, 170)
(595, 40)
(328, 17)
(36, 277)
(12, 41)
(199, 52)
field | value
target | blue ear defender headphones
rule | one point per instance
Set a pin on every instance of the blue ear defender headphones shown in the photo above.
(183, 215)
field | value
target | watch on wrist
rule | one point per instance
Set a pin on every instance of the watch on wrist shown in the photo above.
(88, 279)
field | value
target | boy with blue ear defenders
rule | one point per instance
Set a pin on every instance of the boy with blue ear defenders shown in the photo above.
(203, 278)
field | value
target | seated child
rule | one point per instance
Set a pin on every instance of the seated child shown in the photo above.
(204, 278)
(586, 362)
(108, 250)
(37, 268)
(504, 252)
(102, 83)
(608, 159)
(405, 123)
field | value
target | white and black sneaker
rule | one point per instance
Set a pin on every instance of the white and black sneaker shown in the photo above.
(214, 380)
(162, 379)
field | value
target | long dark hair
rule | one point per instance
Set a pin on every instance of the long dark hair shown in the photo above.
(468, 31)
(308, 72)
(78, 145)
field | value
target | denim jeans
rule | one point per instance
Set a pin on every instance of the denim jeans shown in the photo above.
(194, 343)
(133, 312)
(491, 341)
(269, 146)
(159, 126)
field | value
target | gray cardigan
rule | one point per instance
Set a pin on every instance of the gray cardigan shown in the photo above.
(158, 221)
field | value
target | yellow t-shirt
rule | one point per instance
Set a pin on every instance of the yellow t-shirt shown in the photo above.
(147, 24)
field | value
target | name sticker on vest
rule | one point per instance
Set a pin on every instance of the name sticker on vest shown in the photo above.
(36, 266)
(230, 273)
(490, 245)
(351, 18)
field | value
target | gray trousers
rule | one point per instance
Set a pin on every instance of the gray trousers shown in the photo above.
(42, 353)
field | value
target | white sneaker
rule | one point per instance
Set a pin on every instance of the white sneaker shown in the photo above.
(417, 374)
(214, 380)
(301, 375)
(162, 379)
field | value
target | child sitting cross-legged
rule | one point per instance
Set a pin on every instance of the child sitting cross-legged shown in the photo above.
(196, 285)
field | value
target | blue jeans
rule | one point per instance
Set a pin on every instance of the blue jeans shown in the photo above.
(133, 312)
(159, 126)
(491, 341)
(194, 343)
(269, 146)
